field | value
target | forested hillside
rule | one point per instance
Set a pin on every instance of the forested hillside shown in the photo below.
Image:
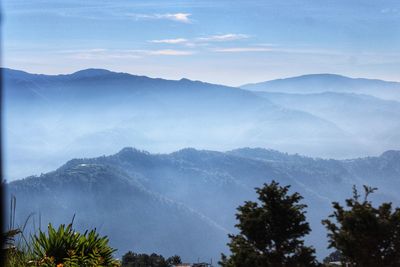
(162, 202)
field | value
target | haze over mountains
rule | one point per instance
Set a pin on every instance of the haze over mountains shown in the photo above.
(184, 202)
(180, 200)
(318, 83)
(50, 119)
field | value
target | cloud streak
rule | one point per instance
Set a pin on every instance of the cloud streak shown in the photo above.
(170, 52)
(201, 41)
(244, 49)
(178, 17)
(223, 37)
(169, 41)
(99, 53)
(277, 49)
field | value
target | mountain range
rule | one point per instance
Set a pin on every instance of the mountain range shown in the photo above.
(185, 202)
(180, 200)
(49, 119)
(319, 83)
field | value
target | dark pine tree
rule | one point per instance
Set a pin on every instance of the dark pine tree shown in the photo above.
(174, 260)
(335, 256)
(364, 235)
(131, 259)
(271, 231)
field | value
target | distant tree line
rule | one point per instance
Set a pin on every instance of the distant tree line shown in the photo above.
(131, 259)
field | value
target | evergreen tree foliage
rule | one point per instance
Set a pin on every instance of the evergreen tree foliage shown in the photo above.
(174, 260)
(131, 259)
(365, 235)
(335, 256)
(271, 231)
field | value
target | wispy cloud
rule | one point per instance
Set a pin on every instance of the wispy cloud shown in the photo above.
(202, 41)
(277, 49)
(179, 17)
(171, 52)
(223, 37)
(169, 41)
(99, 53)
(244, 49)
(390, 11)
(106, 10)
(91, 50)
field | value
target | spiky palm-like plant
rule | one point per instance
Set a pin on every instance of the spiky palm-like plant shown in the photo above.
(66, 247)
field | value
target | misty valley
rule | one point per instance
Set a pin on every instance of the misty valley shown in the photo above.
(162, 165)
(50, 119)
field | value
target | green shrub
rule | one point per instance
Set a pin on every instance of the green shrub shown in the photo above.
(66, 247)
(62, 247)
(14, 255)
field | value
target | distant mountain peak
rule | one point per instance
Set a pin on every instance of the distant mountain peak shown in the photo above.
(327, 82)
(260, 153)
(187, 150)
(130, 152)
(318, 76)
(391, 154)
(91, 73)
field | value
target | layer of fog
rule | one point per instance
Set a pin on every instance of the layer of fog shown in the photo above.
(51, 119)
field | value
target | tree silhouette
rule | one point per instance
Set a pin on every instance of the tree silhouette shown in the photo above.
(334, 256)
(364, 235)
(131, 259)
(271, 231)
(174, 260)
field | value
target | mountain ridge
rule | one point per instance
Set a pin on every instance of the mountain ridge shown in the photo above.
(191, 194)
(320, 75)
(319, 83)
(102, 71)
(84, 114)
(98, 72)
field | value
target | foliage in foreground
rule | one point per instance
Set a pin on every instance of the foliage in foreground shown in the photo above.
(365, 235)
(64, 247)
(71, 248)
(271, 231)
(334, 256)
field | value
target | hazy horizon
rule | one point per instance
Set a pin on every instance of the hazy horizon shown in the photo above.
(177, 79)
(51, 119)
(302, 92)
(225, 42)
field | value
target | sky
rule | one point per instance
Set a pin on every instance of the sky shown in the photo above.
(226, 42)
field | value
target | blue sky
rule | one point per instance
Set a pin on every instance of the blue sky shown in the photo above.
(227, 42)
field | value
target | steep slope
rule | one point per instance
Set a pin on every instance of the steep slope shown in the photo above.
(133, 217)
(383, 171)
(184, 202)
(318, 83)
(329, 176)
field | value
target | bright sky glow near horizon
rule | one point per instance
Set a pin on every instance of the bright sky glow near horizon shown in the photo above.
(226, 42)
